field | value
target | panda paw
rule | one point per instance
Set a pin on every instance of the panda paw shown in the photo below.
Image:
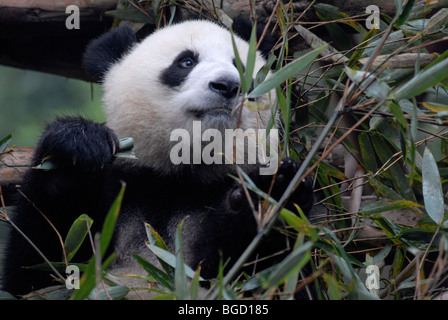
(76, 142)
(302, 196)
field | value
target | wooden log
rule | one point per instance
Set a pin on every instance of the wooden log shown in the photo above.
(13, 164)
(33, 34)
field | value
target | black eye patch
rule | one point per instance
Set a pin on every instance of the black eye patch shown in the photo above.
(178, 71)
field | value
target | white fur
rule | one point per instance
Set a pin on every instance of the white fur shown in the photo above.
(138, 105)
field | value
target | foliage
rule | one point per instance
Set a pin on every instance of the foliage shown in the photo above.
(390, 117)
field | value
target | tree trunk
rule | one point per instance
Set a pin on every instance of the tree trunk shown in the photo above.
(13, 163)
(33, 34)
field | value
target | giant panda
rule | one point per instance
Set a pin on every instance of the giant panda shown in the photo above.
(175, 76)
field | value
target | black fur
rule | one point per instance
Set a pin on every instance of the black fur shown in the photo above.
(220, 221)
(101, 53)
(176, 74)
(243, 28)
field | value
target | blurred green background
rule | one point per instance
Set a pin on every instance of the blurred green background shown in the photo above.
(29, 100)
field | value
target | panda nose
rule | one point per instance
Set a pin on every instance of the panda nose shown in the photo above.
(226, 88)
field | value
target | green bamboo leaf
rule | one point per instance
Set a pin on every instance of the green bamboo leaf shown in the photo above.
(422, 81)
(292, 220)
(383, 190)
(154, 237)
(357, 287)
(251, 55)
(397, 175)
(284, 107)
(111, 218)
(328, 12)
(384, 206)
(88, 279)
(161, 277)
(76, 235)
(115, 293)
(356, 56)
(170, 259)
(394, 41)
(264, 71)
(58, 292)
(239, 66)
(155, 240)
(373, 87)
(180, 279)
(398, 113)
(391, 229)
(380, 256)
(432, 187)
(293, 263)
(164, 296)
(194, 285)
(332, 171)
(404, 13)
(285, 73)
(367, 152)
(421, 236)
(5, 142)
(333, 287)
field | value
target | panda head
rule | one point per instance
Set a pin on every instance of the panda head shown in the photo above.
(177, 75)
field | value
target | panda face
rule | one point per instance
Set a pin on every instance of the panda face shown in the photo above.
(205, 75)
(177, 75)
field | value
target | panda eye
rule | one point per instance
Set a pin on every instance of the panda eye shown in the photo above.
(187, 62)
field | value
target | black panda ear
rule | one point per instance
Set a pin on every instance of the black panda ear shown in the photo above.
(243, 28)
(104, 51)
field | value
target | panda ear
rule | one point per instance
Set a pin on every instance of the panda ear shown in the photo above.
(243, 28)
(106, 50)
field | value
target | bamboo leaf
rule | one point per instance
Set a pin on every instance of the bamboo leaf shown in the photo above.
(285, 73)
(358, 289)
(170, 259)
(432, 187)
(76, 235)
(180, 279)
(154, 238)
(239, 66)
(404, 13)
(383, 206)
(435, 107)
(294, 262)
(111, 218)
(422, 81)
(398, 177)
(156, 241)
(367, 152)
(333, 288)
(251, 55)
(161, 277)
(5, 142)
(88, 279)
(293, 220)
(115, 293)
(366, 81)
